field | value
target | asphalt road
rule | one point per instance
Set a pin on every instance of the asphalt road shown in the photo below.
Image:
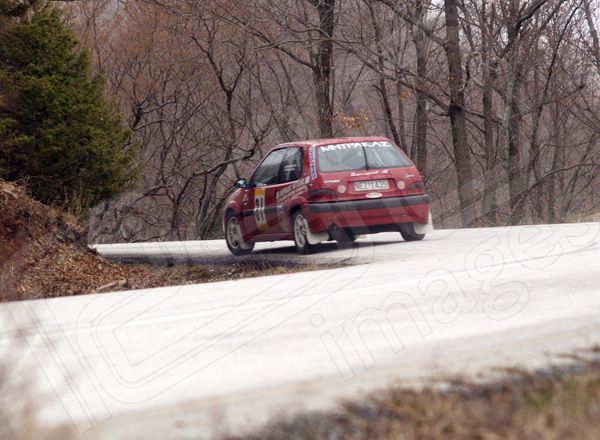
(205, 359)
(216, 252)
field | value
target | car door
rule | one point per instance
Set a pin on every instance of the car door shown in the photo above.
(290, 178)
(261, 207)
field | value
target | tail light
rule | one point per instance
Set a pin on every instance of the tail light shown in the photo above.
(418, 187)
(321, 195)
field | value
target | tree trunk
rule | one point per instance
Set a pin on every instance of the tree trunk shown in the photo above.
(420, 135)
(387, 111)
(401, 130)
(322, 70)
(595, 49)
(385, 101)
(456, 112)
(514, 139)
(532, 176)
(490, 204)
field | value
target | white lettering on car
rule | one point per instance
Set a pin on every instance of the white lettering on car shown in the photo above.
(291, 191)
(313, 166)
(370, 173)
(337, 147)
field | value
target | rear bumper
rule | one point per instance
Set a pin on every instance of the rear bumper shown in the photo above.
(368, 212)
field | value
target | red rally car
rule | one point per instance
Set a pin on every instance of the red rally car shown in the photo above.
(327, 189)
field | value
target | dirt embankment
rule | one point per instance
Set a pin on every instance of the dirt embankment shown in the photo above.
(44, 253)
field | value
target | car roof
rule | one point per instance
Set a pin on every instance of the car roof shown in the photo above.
(330, 141)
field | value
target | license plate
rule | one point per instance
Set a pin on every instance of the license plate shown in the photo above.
(370, 185)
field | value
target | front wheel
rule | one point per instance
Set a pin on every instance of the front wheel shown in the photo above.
(301, 234)
(233, 236)
(408, 232)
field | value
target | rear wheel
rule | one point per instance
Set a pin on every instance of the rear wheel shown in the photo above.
(408, 232)
(301, 234)
(234, 238)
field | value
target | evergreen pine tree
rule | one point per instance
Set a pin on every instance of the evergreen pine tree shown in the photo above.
(58, 132)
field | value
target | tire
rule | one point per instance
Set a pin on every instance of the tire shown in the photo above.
(408, 232)
(233, 237)
(300, 228)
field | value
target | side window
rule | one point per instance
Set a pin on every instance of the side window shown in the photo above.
(291, 168)
(268, 171)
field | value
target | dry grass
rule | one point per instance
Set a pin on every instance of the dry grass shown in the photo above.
(141, 276)
(554, 404)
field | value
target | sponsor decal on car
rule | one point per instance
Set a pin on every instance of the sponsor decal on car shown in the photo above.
(337, 147)
(369, 173)
(291, 191)
(259, 209)
(313, 165)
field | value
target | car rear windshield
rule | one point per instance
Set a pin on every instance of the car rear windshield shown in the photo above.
(356, 156)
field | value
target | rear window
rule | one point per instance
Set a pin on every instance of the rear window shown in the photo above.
(356, 156)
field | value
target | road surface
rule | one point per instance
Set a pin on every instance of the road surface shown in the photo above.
(206, 359)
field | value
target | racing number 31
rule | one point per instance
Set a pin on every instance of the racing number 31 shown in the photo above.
(259, 209)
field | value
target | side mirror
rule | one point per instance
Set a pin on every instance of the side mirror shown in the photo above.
(241, 183)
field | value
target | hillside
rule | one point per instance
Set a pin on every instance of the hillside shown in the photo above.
(43, 252)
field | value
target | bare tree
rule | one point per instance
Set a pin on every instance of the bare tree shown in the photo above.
(456, 112)
(495, 101)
